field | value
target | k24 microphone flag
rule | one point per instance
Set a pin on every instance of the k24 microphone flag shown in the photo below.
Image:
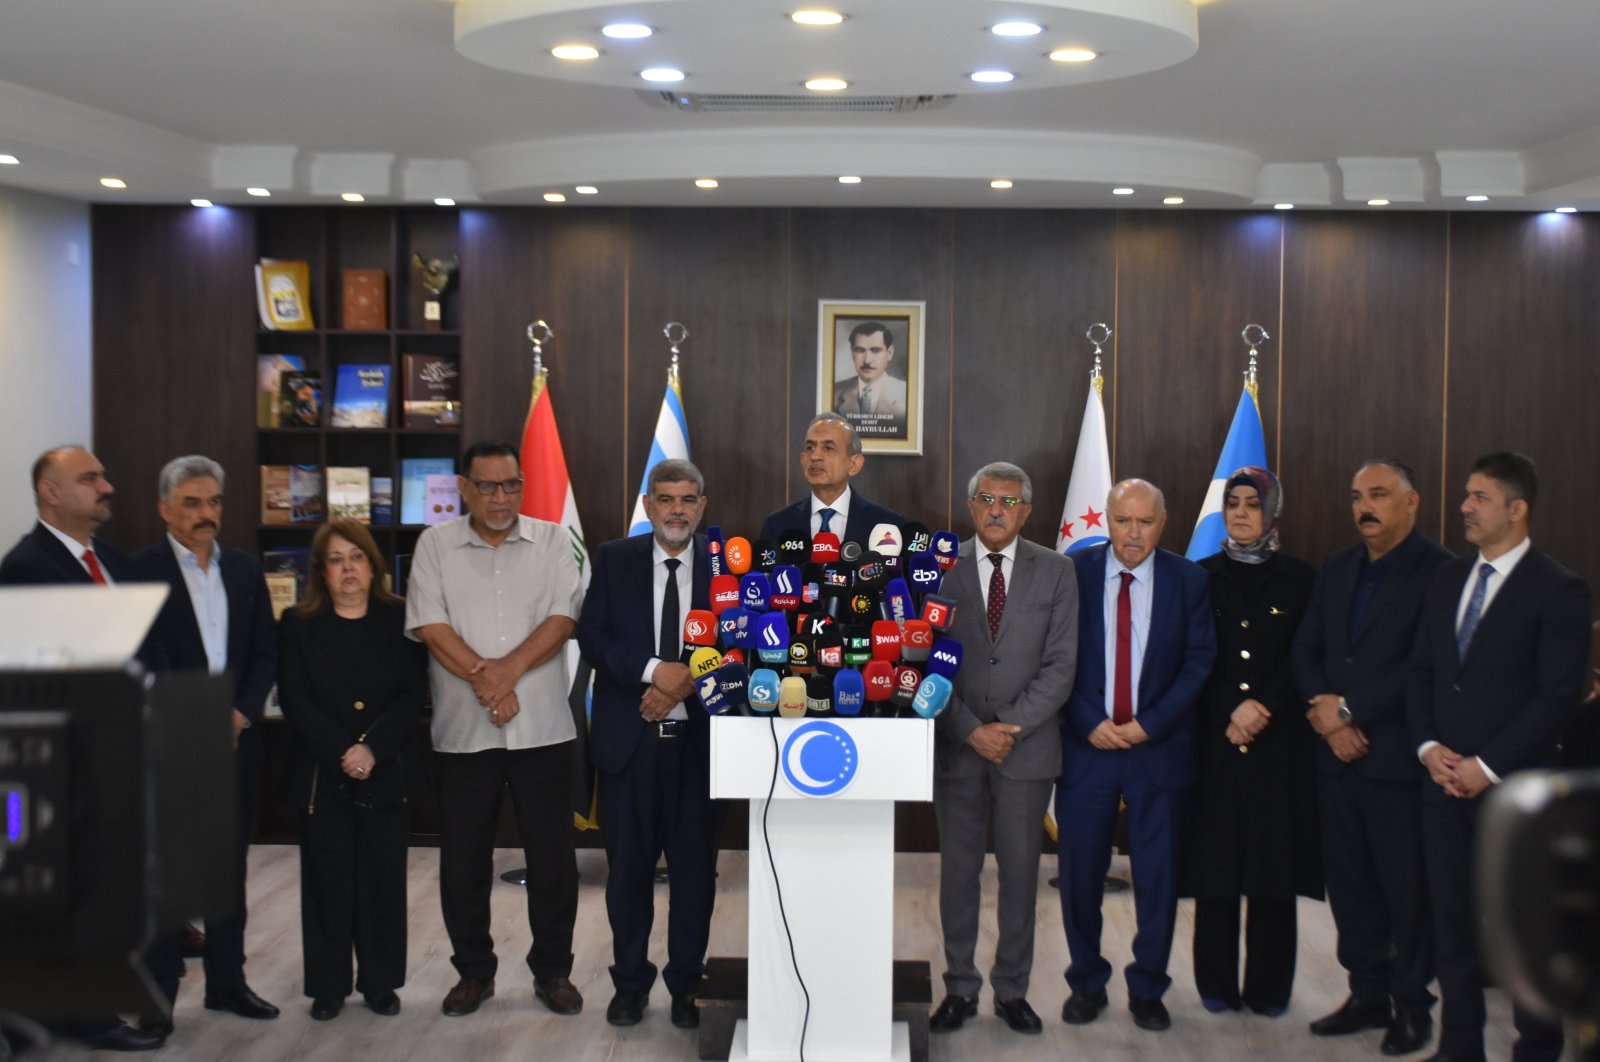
(1246, 445)
(1083, 517)
(671, 441)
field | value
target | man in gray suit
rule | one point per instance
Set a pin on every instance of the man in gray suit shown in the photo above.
(999, 741)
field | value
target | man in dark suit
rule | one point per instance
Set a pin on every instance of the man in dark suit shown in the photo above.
(998, 745)
(1145, 647)
(1501, 659)
(650, 742)
(1350, 664)
(218, 618)
(830, 455)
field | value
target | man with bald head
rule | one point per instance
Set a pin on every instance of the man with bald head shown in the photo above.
(73, 498)
(1145, 648)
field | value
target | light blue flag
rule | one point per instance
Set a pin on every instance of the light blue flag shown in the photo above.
(1246, 445)
(671, 441)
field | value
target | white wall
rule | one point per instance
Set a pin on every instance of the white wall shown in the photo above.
(46, 357)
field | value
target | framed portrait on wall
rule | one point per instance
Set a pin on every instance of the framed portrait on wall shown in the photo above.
(870, 369)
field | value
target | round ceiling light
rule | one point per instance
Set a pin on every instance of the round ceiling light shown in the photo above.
(444, 200)
(816, 16)
(587, 189)
(1172, 200)
(1015, 29)
(259, 193)
(575, 52)
(627, 31)
(1122, 191)
(113, 182)
(1000, 183)
(827, 84)
(991, 77)
(554, 197)
(661, 73)
(1566, 210)
(1073, 55)
(1282, 206)
(352, 197)
(705, 182)
(9, 160)
(849, 180)
(1477, 199)
(200, 202)
(1377, 202)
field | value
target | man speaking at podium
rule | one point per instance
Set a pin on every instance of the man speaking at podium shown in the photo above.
(830, 455)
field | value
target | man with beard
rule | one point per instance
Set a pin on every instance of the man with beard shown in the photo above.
(495, 596)
(650, 741)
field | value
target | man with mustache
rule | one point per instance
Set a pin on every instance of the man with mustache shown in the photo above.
(830, 456)
(874, 401)
(650, 740)
(495, 595)
(1350, 658)
(217, 618)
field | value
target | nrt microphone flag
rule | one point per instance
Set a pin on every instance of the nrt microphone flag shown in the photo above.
(671, 440)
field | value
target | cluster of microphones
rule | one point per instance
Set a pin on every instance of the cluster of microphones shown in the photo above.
(820, 627)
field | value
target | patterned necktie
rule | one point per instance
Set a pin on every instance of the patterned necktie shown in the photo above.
(95, 571)
(997, 595)
(826, 514)
(866, 400)
(1469, 622)
(1122, 697)
(669, 614)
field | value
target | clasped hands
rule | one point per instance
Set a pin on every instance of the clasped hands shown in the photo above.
(1460, 776)
(1346, 740)
(1248, 721)
(1111, 737)
(495, 683)
(669, 684)
(357, 762)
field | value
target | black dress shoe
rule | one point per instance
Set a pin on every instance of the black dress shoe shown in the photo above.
(1409, 1031)
(952, 1013)
(191, 942)
(326, 1008)
(626, 1008)
(685, 1012)
(467, 995)
(1446, 1056)
(244, 1003)
(160, 1026)
(1352, 1017)
(124, 1037)
(1018, 1015)
(1150, 1014)
(385, 1003)
(1083, 1007)
(559, 994)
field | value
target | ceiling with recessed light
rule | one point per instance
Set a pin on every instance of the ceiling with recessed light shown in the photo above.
(1222, 103)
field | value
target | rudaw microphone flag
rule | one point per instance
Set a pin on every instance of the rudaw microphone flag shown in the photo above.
(671, 440)
(1083, 517)
(1246, 445)
(547, 495)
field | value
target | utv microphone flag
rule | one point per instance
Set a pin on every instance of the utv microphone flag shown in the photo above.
(671, 441)
(1246, 445)
(1083, 516)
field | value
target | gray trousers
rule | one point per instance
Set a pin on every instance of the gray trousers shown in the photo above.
(964, 806)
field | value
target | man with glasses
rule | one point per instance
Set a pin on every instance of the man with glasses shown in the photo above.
(998, 747)
(495, 595)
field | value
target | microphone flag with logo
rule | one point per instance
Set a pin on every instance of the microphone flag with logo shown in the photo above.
(671, 440)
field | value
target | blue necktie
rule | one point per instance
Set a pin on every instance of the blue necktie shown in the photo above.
(826, 514)
(1469, 622)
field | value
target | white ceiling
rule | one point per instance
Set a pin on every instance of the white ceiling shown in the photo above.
(1318, 102)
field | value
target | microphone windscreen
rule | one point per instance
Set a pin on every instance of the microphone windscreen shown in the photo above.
(849, 691)
(828, 650)
(940, 612)
(766, 554)
(906, 681)
(886, 640)
(724, 593)
(786, 587)
(878, 676)
(916, 639)
(819, 695)
(945, 659)
(719, 564)
(862, 606)
(932, 696)
(917, 538)
(849, 552)
(755, 592)
(800, 656)
(700, 627)
(897, 604)
(708, 691)
(738, 553)
(815, 624)
(764, 690)
(924, 573)
(793, 546)
(825, 548)
(792, 697)
(857, 646)
(885, 540)
(704, 661)
(810, 584)
(733, 684)
(728, 626)
(946, 547)
(772, 638)
(871, 572)
(733, 656)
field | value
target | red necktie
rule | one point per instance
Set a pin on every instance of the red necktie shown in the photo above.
(94, 567)
(1122, 702)
(997, 595)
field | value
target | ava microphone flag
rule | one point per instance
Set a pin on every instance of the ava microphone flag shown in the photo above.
(1246, 445)
(671, 442)
(1083, 521)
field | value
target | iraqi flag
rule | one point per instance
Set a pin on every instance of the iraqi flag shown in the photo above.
(1246, 445)
(1083, 521)
(671, 441)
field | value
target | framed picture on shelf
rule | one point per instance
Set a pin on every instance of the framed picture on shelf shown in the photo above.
(870, 369)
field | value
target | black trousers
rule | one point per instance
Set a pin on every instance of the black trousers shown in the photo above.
(660, 803)
(1449, 840)
(1270, 944)
(353, 896)
(470, 788)
(1377, 887)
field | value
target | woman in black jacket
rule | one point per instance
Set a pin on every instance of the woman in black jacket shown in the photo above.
(1254, 828)
(351, 686)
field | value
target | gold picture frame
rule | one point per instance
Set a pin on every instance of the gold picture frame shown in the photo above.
(873, 376)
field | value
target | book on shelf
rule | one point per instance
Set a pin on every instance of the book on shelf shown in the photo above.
(305, 494)
(397, 578)
(443, 500)
(361, 397)
(283, 590)
(269, 370)
(293, 560)
(283, 295)
(299, 400)
(366, 300)
(382, 499)
(432, 391)
(414, 473)
(275, 504)
(349, 493)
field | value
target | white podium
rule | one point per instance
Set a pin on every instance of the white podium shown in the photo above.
(831, 826)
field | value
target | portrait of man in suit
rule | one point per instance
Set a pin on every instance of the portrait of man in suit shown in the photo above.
(998, 744)
(869, 370)
(1500, 661)
(873, 396)
(1146, 642)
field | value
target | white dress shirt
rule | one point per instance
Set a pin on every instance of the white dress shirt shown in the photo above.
(77, 549)
(1141, 593)
(210, 601)
(841, 509)
(685, 576)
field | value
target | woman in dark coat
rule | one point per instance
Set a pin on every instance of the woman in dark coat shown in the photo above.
(351, 686)
(1254, 828)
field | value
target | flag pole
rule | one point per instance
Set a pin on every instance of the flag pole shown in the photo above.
(1261, 337)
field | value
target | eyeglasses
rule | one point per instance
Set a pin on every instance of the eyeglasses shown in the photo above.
(487, 487)
(988, 500)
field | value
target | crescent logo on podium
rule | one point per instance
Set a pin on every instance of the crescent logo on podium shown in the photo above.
(820, 759)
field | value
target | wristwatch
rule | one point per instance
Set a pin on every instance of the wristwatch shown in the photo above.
(1345, 715)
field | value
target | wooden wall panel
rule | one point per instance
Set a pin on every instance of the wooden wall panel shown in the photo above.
(898, 255)
(722, 274)
(174, 357)
(1187, 284)
(1363, 343)
(1525, 368)
(1029, 283)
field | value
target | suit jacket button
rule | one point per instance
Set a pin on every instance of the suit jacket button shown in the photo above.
(1244, 623)
(1456, 688)
(1244, 654)
(1244, 687)
(360, 705)
(994, 660)
(1349, 659)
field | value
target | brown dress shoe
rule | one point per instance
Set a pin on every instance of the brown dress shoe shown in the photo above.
(559, 994)
(468, 993)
